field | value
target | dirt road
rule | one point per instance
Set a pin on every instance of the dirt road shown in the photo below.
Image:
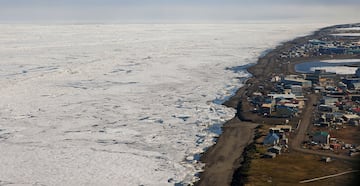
(301, 132)
(222, 160)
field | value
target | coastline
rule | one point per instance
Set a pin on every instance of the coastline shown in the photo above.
(224, 160)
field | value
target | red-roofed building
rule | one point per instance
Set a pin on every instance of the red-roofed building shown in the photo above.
(356, 110)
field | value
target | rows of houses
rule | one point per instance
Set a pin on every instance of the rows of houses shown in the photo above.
(328, 45)
(285, 100)
(339, 106)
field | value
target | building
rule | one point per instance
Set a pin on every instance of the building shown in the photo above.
(335, 146)
(321, 137)
(285, 128)
(275, 149)
(326, 159)
(283, 111)
(282, 96)
(328, 100)
(269, 155)
(296, 81)
(297, 90)
(349, 81)
(328, 108)
(357, 73)
(266, 108)
(351, 119)
(317, 42)
(276, 130)
(332, 50)
(321, 76)
(354, 86)
(271, 139)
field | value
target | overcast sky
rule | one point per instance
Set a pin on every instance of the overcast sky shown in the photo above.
(139, 11)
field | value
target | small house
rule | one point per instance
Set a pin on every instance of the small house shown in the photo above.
(284, 111)
(327, 108)
(285, 128)
(335, 146)
(269, 155)
(321, 137)
(351, 119)
(328, 100)
(275, 149)
(271, 139)
(326, 159)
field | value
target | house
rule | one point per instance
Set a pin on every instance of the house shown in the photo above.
(276, 130)
(318, 89)
(321, 137)
(326, 159)
(282, 96)
(275, 149)
(285, 128)
(269, 155)
(283, 111)
(271, 139)
(266, 108)
(328, 100)
(284, 141)
(320, 75)
(356, 110)
(357, 73)
(335, 146)
(297, 90)
(354, 86)
(351, 119)
(297, 81)
(327, 108)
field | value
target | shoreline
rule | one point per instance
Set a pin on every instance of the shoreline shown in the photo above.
(224, 159)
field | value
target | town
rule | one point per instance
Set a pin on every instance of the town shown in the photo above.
(336, 111)
(305, 98)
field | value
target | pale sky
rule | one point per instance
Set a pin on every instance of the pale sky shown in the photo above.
(153, 11)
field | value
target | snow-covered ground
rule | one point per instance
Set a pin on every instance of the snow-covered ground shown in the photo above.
(334, 65)
(119, 104)
(337, 69)
(349, 29)
(345, 61)
(347, 34)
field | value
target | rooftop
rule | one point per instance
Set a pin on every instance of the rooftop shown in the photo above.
(321, 133)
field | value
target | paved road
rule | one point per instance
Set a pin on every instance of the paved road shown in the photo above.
(301, 131)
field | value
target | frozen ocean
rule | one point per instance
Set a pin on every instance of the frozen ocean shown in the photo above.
(120, 104)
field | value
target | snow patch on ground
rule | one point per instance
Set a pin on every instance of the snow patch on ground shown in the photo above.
(348, 29)
(347, 34)
(337, 69)
(341, 60)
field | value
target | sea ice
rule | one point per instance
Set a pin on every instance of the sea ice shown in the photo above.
(120, 104)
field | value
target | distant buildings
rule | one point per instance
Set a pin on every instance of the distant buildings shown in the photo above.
(294, 80)
(357, 73)
(317, 47)
(321, 78)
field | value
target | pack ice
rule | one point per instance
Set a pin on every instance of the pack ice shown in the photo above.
(120, 104)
